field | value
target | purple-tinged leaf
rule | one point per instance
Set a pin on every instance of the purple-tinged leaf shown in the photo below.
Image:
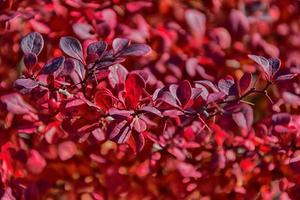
(275, 65)
(291, 98)
(78, 74)
(204, 91)
(119, 44)
(83, 30)
(227, 86)
(151, 109)
(97, 48)
(32, 43)
(168, 98)
(99, 134)
(286, 77)
(16, 105)
(116, 113)
(244, 117)
(121, 132)
(281, 118)
(214, 97)
(184, 92)
(208, 85)
(117, 75)
(264, 65)
(196, 92)
(197, 23)
(72, 47)
(139, 125)
(52, 65)
(136, 50)
(30, 60)
(191, 65)
(68, 67)
(245, 82)
(239, 22)
(26, 83)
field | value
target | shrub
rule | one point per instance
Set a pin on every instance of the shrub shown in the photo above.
(117, 105)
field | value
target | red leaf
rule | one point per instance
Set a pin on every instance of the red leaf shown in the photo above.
(66, 150)
(35, 163)
(134, 87)
(184, 92)
(15, 104)
(245, 82)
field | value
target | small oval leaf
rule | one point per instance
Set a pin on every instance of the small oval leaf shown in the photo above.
(72, 47)
(32, 43)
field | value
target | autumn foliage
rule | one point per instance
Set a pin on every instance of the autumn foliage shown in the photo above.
(137, 100)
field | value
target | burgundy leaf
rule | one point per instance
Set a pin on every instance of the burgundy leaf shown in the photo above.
(139, 125)
(136, 50)
(168, 98)
(117, 75)
(244, 117)
(134, 87)
(184, 92)
(291, 98)
(68, 67)
(66, 150)
(99, 134)
(30, 60)
(119, 44)
(214, 97)
(151, 109)
(281, 118)
(15, 104)
(245, 82)
(78, 74)
(197, 22)
(275, 65)
(83, 30)
(208, 84)
(239, 22)
(97, 48)
(286, 77)
(121, 132)
(26, 83)
(52, 65)
(264, 65)
(32, 43)
(227, 86)
(72, 47)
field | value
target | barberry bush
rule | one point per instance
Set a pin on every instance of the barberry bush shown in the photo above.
(169, 99)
